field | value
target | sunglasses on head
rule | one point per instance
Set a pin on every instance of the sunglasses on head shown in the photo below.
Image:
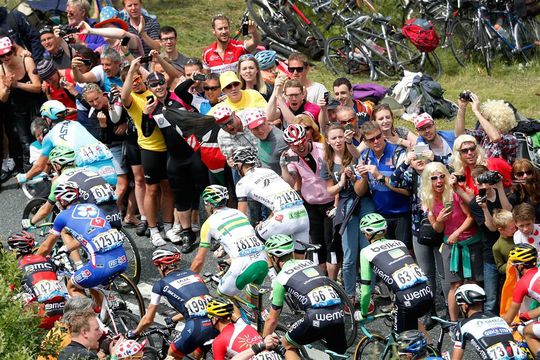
(436, 177)
(232, 85)
(372, 140)
(246, 57)
(468, 150)
(210, 88)
(522, 173)
(296, 69)
(156, 83)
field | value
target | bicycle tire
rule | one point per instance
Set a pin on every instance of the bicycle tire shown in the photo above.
(524, 38)
(125, 321)
(485, 49)
(275, 27)
(122, 281)
(30, 209)
(309, 35)
(370, 348)
(351, 327)
(134, 258)
(431, 65)
(462, 41)
(281, 330)
(343, 57)
(149, 353)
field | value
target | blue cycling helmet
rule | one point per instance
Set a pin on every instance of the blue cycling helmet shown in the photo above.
(266, 59)
(53, 109)
(411, 342)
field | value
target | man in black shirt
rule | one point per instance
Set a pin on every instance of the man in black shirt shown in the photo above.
(85, 335)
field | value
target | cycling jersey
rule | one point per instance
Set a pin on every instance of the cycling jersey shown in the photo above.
(533, 238)
(490, 335)
(528, 285)
(233, 339)
(187, 294)
(289, 216)
(229, 62)
(248, 259)
(92, 189)
(40, 284)
(88, 150)
(104, 245)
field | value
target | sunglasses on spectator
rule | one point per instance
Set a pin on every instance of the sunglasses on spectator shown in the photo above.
(437, 177)
(210, 88)
(6, 54)
(294, 95)
(426, 127)
(345, 122)
(468, 150)
(154, 84)
(522, 173)
(373, 139)
(296, 69)
(230, 122)
(232, 85)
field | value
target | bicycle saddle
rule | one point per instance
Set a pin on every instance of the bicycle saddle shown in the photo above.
(381, 18)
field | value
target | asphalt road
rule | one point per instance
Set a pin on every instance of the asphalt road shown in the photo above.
(13, 201)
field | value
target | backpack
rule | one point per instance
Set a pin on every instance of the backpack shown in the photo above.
(427, 94)
(369, 91)
(421, 33)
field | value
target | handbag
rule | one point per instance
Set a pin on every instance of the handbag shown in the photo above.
(428, 236)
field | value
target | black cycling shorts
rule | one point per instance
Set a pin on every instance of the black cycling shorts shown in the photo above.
(187, 180)
(133, 153)
(410, 305)
(153, 163)
(317, 324)
(113, 214)
(195, 333)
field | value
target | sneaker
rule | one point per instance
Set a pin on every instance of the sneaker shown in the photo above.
(157, 240)
(10, 164)
(141, 228)
(188, 238)
(173, 236)
(195, 227)
(380, 291)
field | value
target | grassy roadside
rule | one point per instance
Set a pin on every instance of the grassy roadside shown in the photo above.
(514, 83)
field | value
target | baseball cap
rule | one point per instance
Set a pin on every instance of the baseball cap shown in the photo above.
(422, 119)
(155, 76)
(222, 114)
(45, 69)
(254, 118)
(228, 77)
(332, 104)
(5, 45)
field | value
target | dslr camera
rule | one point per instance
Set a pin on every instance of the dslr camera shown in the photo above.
(465, 95)
(489, 177)
(66, 30)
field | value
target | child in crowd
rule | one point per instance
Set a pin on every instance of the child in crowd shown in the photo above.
(528, 232)
(506, 226)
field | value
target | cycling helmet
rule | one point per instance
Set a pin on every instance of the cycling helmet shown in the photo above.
(523, 254)
(61, 155)
(294, 134)
(215, 195)
(372, 224)
(127, 348)
(244, 155)
(219, 307)
(22, 242)
(53, 109)
(166, 256)
(266, 59)
(470, 294)
(279, 245)
(67, 192)
(411, 342)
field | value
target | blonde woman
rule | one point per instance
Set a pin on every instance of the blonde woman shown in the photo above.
(312, 129)
(251, 77)
(449, 214)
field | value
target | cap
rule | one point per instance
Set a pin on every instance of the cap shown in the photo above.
(332, 104)
(228, 77)
(45, 69)
(109, 15)
(155, 76)
(254, 118)
(46, 30)
(422, 119)
(5, 45)
(222, 114)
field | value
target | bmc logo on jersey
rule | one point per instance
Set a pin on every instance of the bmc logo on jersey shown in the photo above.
(98, 222)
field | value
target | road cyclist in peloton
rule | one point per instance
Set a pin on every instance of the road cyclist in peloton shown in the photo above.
(188, 295)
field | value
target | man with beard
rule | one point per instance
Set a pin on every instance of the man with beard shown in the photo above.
(223, 54)
(343, 93)
(106, 75)
(440, 142)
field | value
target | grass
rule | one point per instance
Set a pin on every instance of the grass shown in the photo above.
(514, 83)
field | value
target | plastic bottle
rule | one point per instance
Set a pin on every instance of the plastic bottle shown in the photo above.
(379, 50)
(502, 31)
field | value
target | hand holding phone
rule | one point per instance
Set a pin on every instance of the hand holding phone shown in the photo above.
(149, 99)
(199, 77)
(145, 59)
(245, 28)
(125, 41)
(448, 205)
(326, 97)
(419, 150)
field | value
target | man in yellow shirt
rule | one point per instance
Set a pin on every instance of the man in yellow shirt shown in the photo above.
(238, 99)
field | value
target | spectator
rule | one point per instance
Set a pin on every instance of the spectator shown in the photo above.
(78, 11)
(401, 136)
(440, 142)
(250, 76)
(267, 65)
(238, 99)
(495, 119)
(57, 87)
(312, 129)
(168, 40)
(466, 155)
(346, 116)
(56, 48)
(526, 185)
(448, 213)
(106, 75)
(223, 54)
(201, 101)
(506, 226)
(299, 69)
(85, 335)
(89, 59)
(528, 232)
(212, 88)
(343, 93)
(144, 26)
(16, 25)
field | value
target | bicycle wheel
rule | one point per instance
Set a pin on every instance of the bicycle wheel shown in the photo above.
(134, 260)
(405, 55)
(281, 330)
(431, 65)
(485, 48)
(343, 57)
(462, 41)
(307, 34)
(525, 40)
(120, 298)
(30, 209)
(149, 353)
(351, 327)
(370, 348)
(272, 22)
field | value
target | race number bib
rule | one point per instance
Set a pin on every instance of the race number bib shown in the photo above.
(92, 153)
(266, 355)
(323, 296)
(500, 351)
(196, 306)
(248, 246)
(47, 289)
(287, 200)
(408, 276)
(102, 193)
(108, 240)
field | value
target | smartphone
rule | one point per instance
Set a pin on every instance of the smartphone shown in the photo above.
(326, 97)
(293, 158)
(125, 41)
(349, 127)
(460, 178)
(419, 149)
(245, 29)
(448, 205)
(199, 77)
(146, 59)
(150, 99)
(87, 62)
(482, 192)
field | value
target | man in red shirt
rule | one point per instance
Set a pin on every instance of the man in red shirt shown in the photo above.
(223, 54)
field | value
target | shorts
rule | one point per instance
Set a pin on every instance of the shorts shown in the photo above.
(477, 264)
(407, 315)
(117, 150)
(105, 168)
(108, 266)
(132, 152)
(187, 180)
(244, 271)
(326, 323)
(50, 312)
(293, 222)
(153, 163)
(321, 231)
(112, 214)
(196, 332)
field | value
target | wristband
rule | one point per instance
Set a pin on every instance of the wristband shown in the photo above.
(382, 180)
(113, 357)
(348, 142)
(127, 53)
(257, 348)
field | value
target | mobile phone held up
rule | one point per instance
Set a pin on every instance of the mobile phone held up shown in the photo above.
(326, 97)
(150, 99)
(199, 77)
(125, 41)
(146, 59)
(245, 28)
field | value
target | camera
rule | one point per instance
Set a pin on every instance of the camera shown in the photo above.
(66, 30)
(199, 77)
(460, 178)
(465, 95)
(489, 177)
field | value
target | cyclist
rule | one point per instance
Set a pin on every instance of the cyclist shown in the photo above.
(39, 282)
(390, 261)
(188, 295)
(92, 187)
(289, 216)
(232, 229)
(89, 151)
(490, 335)
(311, 290)
(85, 225)
(235, 337)
(524, 258)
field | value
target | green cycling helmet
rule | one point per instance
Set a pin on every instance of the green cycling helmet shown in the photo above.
(279, 245)
(61, 155)
(215, 195)
(372, 224)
